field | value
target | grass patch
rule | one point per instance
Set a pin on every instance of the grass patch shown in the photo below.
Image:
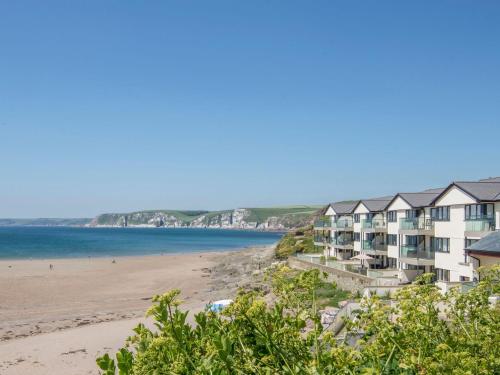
(329, 295)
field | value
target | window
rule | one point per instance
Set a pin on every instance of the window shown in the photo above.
(411, 240)
(441, 245)
(440, 213)
(479, 211)
(470, 241)
(356, 218)
(442, 274)
(356, 236)
(392, 216)
(411, 214)
(392, 239)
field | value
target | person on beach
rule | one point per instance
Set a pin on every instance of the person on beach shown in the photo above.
(51, 267)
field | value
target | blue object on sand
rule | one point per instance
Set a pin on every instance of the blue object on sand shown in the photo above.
(218, 306)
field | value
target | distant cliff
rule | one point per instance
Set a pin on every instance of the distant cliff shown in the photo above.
(44, 222)
(278, 218)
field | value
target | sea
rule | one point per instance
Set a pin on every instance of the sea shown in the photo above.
(81, 242)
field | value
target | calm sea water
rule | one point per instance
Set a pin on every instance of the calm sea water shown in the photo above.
(66, 242)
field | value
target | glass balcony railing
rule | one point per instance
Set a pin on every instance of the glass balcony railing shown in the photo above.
(342, 223)
(480, 225)
(373, 245)
(416, 223)
(342, 241)
(373, 224)
(414, 251)
(322, 224)
(321, 239)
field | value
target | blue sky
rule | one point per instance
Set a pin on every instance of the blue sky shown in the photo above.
(127, 105)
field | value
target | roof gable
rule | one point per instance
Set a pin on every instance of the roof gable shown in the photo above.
(398, 203)
(329, 211)
(479, 191)
(454, 195)
(361, 208)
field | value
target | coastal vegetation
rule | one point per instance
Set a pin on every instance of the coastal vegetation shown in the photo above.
(297, 241)
(420, 332)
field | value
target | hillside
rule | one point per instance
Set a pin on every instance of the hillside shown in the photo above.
(273, 218)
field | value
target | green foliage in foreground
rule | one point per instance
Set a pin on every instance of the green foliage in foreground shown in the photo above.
(422, 333)
(298, 241)
(327, 294)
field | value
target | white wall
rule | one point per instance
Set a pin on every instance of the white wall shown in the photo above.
(400, 206)
(362, 211)
(497, 215)
(454, 230)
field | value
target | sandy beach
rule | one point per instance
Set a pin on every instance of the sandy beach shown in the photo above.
(58, 321)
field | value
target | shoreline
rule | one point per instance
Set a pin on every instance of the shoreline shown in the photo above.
(170, 253)
(96, 303)
(145, 226)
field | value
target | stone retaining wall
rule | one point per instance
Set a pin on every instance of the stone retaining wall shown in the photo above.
(345, 280)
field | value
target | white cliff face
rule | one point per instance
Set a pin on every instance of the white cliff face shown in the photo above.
(240, 218)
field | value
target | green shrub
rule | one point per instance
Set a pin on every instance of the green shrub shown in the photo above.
(250, 336)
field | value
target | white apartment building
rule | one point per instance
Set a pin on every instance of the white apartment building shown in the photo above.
(338, 239)
(465, 212)
(409, 232)
(426, 231)
(370, 230)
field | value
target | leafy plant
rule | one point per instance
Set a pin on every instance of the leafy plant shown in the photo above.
(424, 332)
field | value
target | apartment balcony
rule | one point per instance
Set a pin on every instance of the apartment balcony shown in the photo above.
(416, 226)
(374, 225)
(342, 243)
(321, 240)
(374, 247)
(343, 224)
(479, 227)
(416, 255)
(323, 224)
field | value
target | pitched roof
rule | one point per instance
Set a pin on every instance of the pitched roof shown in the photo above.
(419, 199)
(490, 179)
(376, 204)
(487, 244)
(345, 207)
(481, 190)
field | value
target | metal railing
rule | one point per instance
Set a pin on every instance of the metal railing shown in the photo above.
(415, 251)
(416, 223)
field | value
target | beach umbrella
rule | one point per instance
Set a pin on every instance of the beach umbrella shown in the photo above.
(362, 258)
